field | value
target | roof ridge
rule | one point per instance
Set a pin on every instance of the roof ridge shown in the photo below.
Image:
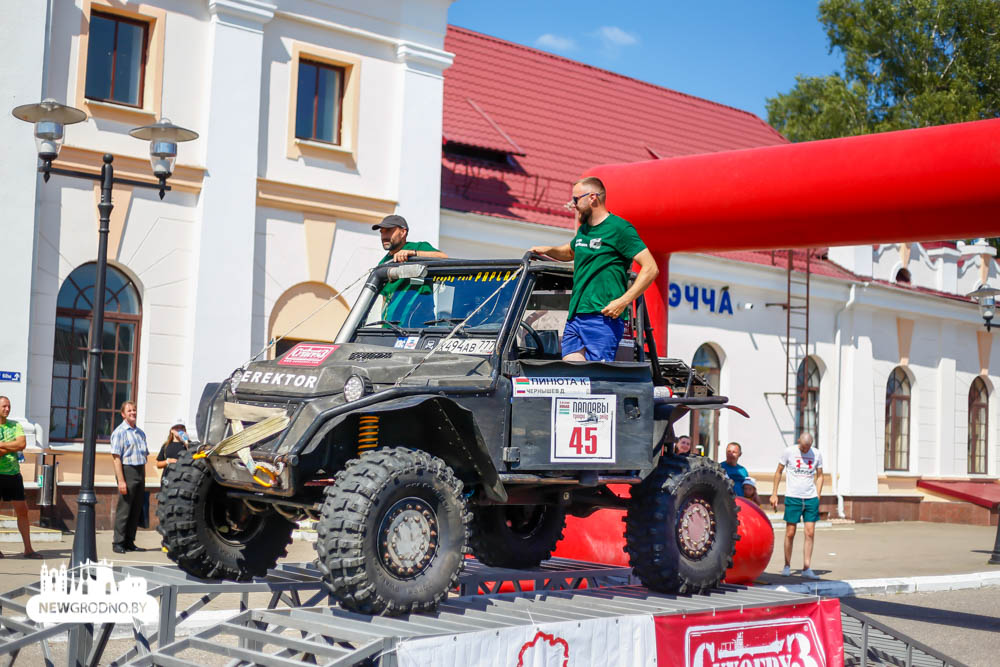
(554, 56)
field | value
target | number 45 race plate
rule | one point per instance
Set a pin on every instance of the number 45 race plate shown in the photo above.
(583, 429)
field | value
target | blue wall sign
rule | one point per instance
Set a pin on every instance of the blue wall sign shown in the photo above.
(701, 295)
(10, 376)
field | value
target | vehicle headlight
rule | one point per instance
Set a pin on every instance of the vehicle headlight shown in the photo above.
(356, 387)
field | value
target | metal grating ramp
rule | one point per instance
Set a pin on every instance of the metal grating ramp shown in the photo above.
(295, 585)
(869, 642)
(332, 636)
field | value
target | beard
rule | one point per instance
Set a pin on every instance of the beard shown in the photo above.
(585, 216)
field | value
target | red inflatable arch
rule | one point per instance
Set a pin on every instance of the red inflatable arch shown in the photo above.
(938, 183)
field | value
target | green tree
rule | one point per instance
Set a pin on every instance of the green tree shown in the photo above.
(907, 63)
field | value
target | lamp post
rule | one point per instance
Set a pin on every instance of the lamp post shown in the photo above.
(986, 298)
(50, 119)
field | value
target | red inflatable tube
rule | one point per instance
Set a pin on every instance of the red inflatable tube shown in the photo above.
(937, 183)
(600, 538)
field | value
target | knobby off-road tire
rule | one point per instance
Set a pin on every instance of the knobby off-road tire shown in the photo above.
(681, 526)
(393, 532)
(516, 536)
(210, 535)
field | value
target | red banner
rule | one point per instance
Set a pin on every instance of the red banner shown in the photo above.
(802, 635)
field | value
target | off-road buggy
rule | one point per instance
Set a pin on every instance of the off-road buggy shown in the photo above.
(441, 422)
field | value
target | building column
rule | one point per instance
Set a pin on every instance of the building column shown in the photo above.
(857, 450)
(23, 39)
(422, 100)
(223, 291)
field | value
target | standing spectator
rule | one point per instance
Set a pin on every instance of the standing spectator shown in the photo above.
(731, 465)
(129, 452)
(11, 483)
(177, 442)
(750, 490)
(602, 253)
(802, 492)
(683, 446)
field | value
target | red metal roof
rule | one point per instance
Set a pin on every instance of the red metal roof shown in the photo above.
(513, 100)
(510, 98)
(984, 494)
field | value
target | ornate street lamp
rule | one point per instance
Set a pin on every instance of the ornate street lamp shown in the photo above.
(986, 298)
(50, 118)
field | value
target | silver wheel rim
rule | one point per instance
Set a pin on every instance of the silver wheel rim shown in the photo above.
(408, 538)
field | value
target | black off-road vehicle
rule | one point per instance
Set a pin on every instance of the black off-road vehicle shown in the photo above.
(441, 422)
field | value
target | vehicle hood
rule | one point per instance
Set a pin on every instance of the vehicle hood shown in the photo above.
(383, 366)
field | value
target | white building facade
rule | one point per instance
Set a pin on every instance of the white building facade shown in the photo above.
(865, 325)
(316, 119)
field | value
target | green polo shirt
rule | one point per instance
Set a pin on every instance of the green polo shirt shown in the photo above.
(389, 291)
(602, 258)
(9, 432)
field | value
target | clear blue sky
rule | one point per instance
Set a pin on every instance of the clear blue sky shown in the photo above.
(736, 52)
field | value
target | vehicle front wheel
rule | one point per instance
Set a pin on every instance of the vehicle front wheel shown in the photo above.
(681, 526)
(393, 532)
(210, 535)
(516, 536)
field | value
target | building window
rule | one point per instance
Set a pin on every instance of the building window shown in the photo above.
(807, 400)
(119, 364)
(979, 403)
(116, 59)
(903, 276)
(318, 107)
(897, 421)
(705, 423)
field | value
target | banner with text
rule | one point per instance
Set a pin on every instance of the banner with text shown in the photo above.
(624, 640)
(802, 635)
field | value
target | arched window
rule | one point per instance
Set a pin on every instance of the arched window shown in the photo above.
(903, 276)
(304, 313)
(807, 400)
(119, 362)
(979, 403)
(897, 421)
(705, 423)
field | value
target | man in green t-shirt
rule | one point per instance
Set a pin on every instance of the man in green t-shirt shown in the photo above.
(394, 230)
(602, 253)
(11, 484)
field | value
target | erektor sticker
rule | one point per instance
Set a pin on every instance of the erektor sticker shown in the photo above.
(550, 386)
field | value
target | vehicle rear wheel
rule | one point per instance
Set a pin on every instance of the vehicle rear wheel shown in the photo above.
(393, 532)
(681, 526)
(516, 536)
(210, 535)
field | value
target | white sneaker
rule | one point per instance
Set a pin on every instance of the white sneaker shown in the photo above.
(786, 572)
(809, 574)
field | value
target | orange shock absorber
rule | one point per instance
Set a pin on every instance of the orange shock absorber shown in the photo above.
(367, 432)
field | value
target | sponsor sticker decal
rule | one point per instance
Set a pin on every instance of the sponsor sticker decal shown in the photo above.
(411, 343)
(400, 343)
(280, 379)
(551, 386)
(469, 346)
(583, 429)
(307, 354)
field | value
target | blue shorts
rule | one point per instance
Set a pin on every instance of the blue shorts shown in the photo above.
(597, 335)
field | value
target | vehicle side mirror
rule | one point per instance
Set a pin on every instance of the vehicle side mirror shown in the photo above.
(407, 272)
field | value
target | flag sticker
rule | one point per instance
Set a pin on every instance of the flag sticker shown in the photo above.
(532, 387)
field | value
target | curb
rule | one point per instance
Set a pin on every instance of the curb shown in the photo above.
(929, 584)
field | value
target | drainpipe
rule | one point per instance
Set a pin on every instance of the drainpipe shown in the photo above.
(836, 423)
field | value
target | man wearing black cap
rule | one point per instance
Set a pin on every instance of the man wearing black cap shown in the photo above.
(394, 230)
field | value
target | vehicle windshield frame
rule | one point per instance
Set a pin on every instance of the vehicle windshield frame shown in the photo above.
(435, 269)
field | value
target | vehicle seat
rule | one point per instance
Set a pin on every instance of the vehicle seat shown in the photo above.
(550, 346)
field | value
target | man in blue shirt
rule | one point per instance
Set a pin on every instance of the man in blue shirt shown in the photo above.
(731, 465)
(128, 453)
